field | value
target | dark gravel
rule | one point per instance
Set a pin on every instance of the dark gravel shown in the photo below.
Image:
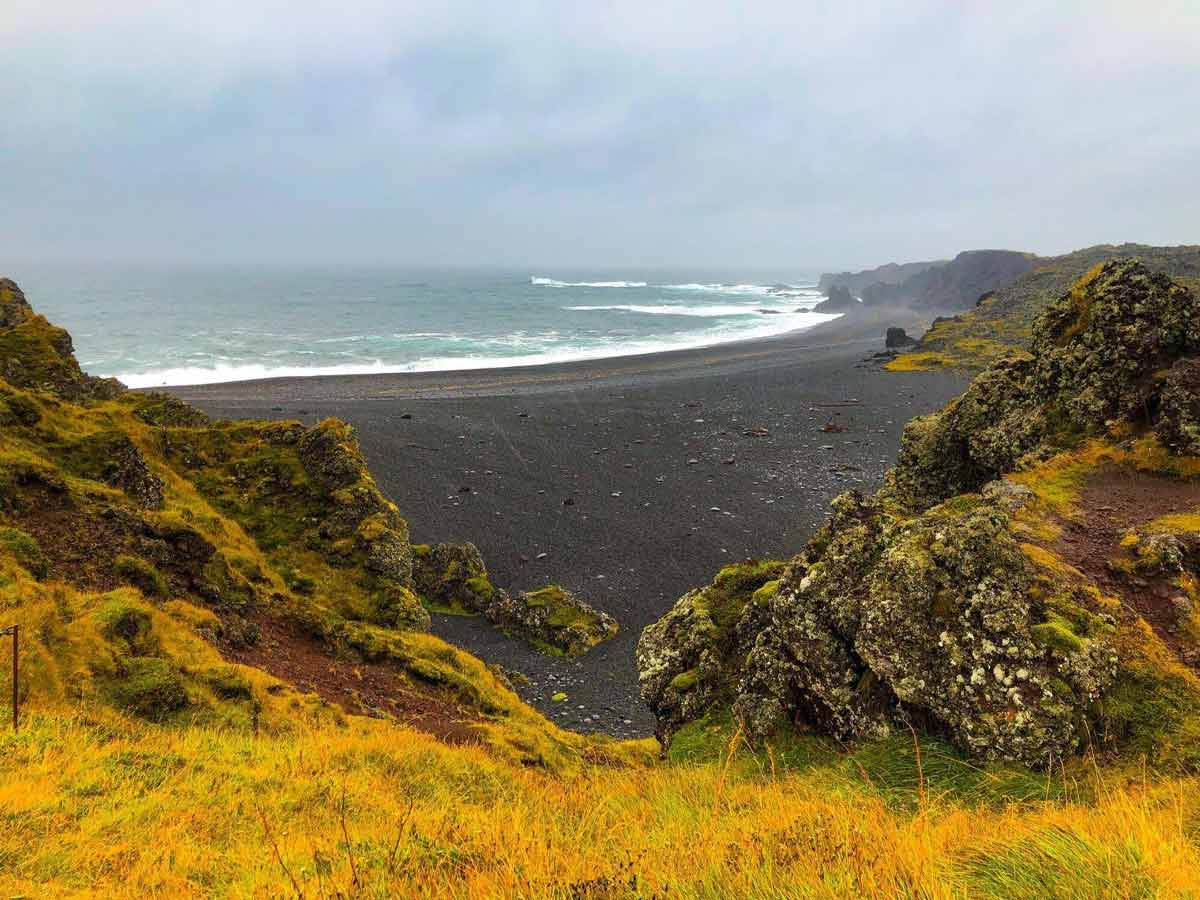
(626, 481)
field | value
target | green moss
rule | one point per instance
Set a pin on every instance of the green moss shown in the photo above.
(228, 684)
(685, 681)
(764, 594)
(748, 576)
(1152, 711)
(559, 697)
(148, 687)
(26, 550)
(550, 595)
(19, 409)
(481, 587)
(141, 575)
(1057, 634)
(126, 621)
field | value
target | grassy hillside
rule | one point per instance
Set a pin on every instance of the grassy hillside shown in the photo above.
(1003, 320)
(228, 690)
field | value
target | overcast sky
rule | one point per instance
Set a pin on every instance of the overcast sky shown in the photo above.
(598, 134)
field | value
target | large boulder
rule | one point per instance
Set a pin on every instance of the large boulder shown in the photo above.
(688, 659)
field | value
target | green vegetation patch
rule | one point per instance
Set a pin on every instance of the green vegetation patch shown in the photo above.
(142, 575)
(26, 550)
(149, 687)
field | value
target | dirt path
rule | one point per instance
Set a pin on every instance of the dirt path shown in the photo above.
(361, 688)
(1110, 504)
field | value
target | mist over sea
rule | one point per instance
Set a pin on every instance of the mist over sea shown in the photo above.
(153, 326)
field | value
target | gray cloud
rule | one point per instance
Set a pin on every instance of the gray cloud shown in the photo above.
(599, 134)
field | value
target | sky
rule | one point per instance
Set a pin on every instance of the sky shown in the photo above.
(600, 135)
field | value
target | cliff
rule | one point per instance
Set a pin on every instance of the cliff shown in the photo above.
(890, 273)
(1002, 320)
(955, 286)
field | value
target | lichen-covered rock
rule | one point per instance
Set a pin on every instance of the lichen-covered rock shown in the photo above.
(921, 606)
(931, 620)
(452, 576)
(330, 454)
(1178, 421)
(552, 619)
(1098, 348)
(687, 659)
(14, 308)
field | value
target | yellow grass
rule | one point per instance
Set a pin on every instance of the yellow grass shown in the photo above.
(99, 806)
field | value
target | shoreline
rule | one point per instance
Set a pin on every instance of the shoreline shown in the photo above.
(865, 329)
(664, 482)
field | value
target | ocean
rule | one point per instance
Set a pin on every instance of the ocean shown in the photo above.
(153, 325)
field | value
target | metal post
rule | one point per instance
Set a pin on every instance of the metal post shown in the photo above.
(16, 671)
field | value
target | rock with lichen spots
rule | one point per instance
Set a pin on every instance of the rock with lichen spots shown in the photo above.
(688, 659)
(552, 619)
(452, 576)
(1178, 420)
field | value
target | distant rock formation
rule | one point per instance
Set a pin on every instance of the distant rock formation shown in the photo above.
(895, 338)
(839, 300)
(955, 286)
(891, 273)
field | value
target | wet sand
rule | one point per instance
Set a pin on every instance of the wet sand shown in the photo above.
(628, 481)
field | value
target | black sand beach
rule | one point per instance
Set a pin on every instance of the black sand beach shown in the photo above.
(629, 481)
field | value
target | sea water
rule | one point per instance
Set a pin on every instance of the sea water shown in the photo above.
(163, 325)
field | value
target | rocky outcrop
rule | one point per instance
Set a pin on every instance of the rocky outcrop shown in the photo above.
(453, 577)
(921, 606)
(891, 273)
(897, 338)
(955, 286)
(37, 355)
(1098, 354)
(689, 659)
(552, 619)
(838, 300)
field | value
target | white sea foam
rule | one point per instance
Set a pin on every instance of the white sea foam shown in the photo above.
(756, 290)
(552, 282)
(769, 326)
(707, 312)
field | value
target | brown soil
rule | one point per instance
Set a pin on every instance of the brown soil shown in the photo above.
(376, 689)
(1112, 502)
(79, 548)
